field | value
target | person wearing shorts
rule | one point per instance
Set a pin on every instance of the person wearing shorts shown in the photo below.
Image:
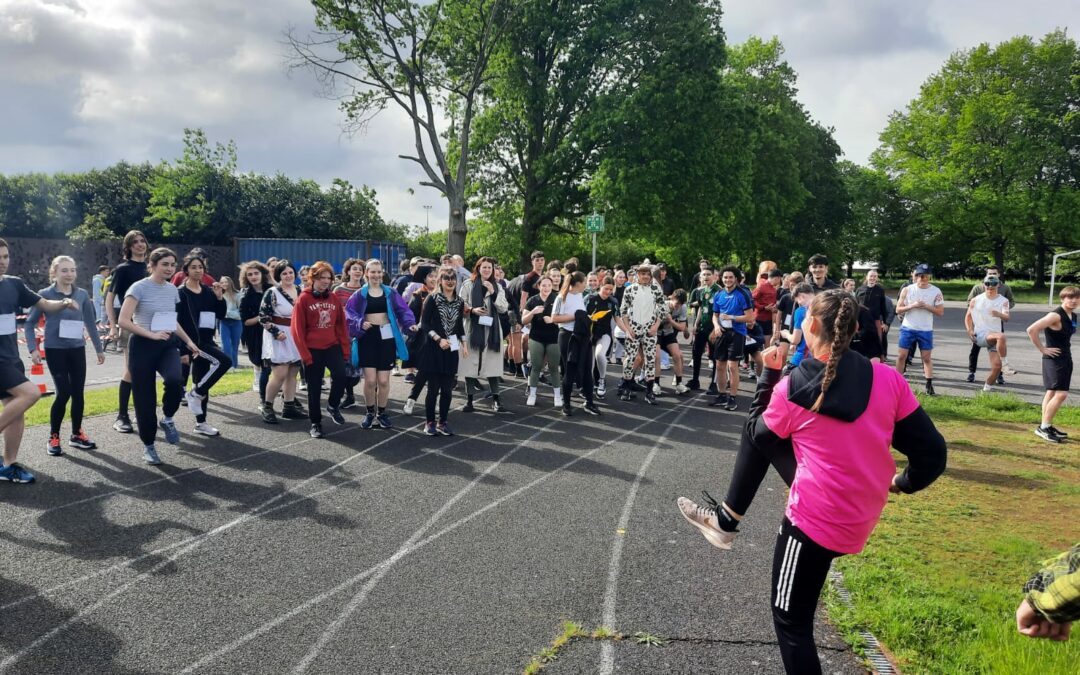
(1058, 327)
(667, 340)
(984, 323)
(919, 303)
(733, 309)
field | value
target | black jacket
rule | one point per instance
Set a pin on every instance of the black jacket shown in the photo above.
(192, 305)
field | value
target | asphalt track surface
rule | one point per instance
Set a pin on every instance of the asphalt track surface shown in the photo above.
(389, 551)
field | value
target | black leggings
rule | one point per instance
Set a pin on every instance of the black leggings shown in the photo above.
(322, 360)
(146, 359)
(68, 370)
(206, 370)
(419, 381)
(701, 343)
(441, 387)
(574, 373)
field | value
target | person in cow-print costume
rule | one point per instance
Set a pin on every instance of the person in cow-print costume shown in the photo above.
(643, 310)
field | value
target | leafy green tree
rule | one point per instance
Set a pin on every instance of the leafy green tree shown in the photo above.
(184, 197)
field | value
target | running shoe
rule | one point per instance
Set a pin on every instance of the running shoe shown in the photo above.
(335, 415)
(54, 448)
(592, 409)
(410, 379)
(987, 388)
(713, 390)
(396, 372)
(468, 407)
(930, 389)
(267, 412)
(430, 430)
(693, 385)
(408, 407)
(150, 455)
(601, 391)
(650, 396)
(206, 430)
(349, 402)
(292, 411)
(732, 404)
(1001, 380)
(705, 520)
(656, 390)
(681, 389)
(82, 441)
(15, 473)
(368, 420)
(194, 402)
(971, 377)
(1008, 370)
(123, 425)
(384, 421)
(1058, 432)
(1047, 435)
(444, 429)
(316, 430)
(558, 398)
(720, 400)
(497, 406)
(302, 386)
(567, 412)
(531, 400)
(172, 435)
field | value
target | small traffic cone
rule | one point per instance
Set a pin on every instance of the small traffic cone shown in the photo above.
(37, 376)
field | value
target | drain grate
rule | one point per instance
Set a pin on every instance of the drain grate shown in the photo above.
(880, 664)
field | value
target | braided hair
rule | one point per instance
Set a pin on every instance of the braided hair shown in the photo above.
(838, 313)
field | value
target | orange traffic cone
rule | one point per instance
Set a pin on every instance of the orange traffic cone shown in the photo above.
(37, 376)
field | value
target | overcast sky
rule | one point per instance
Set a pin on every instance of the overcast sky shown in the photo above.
(86, 83)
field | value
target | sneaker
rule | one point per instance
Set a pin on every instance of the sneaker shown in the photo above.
(1057, 432)
(681, 389)
(713, 390)
(335, 415)
(567, 412)
(267, 412)
(601, 391)
(987, 388)
(930, 389)
(316, 430)
(1008, 370)
(635, 385)
(497, 406)
(349, 402)
(293, 411)
(151, 456)
(430, 430)
(1047, 435)
(82, 441)
(444, 429)
(206, 430)
(704, 519)
(302, 386)
(54, 448)
(650, 396)
(368, 420)
(720, 400)
(172, 435)
(656, 390)
(123, 425)
(1001, 380)
(410, 379)
(558, 398)
(531, 400)
(693, 385)
(592, 409)
(194, 402)
(396, 372)
(384, 421)
(732, 404)
(408, 407)
(468, 407)
(971, 377)
(15, 473)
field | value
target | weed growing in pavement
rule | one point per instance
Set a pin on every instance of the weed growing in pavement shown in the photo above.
(648, 640)
(570, 632)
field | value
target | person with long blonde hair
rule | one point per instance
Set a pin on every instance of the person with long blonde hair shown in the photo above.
(231, 327)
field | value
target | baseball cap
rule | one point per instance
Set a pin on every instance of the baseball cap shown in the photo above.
(922, 268)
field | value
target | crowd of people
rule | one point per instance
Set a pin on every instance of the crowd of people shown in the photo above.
(818, 350)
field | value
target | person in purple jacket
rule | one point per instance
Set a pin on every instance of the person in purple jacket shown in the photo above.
(378, 318)
(826, 428)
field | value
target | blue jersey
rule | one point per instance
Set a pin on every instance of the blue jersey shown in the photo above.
(800, 349)
(734, 303)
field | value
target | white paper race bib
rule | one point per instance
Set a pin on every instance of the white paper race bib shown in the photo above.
(7, 324)
(526, 330)
(207, 320)
(725, 323)
(70, 329)
(163, 322)
(486, 321)
(454, 344)
(386, 331)
(750, 341)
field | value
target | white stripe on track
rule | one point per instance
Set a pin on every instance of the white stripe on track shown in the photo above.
(607, 649)
(349, 583)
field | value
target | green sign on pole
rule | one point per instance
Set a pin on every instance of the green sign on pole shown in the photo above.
(594, 223)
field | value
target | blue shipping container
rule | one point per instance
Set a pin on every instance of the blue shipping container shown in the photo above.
(307, 251)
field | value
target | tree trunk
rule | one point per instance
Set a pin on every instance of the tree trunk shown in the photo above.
(999, 255)
(455, 236)
(1040, 259)
(530, 233)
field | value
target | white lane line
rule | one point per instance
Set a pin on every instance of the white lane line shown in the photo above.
(607, 649)
(349, 583)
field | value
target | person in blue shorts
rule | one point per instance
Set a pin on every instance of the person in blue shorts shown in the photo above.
(919, 303)
(733, 308)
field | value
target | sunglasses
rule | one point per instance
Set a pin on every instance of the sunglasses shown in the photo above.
(448, 277)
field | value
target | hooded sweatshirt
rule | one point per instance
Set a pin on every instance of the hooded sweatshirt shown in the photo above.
(318, 322)
(843, 464)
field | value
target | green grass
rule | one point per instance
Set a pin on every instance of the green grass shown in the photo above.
(958, 289)
(103, 401)
(941, 577)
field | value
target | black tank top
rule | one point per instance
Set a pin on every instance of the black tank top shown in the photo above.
(1060, 338)
(376, 304)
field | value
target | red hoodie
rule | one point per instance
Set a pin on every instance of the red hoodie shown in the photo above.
(319, 323)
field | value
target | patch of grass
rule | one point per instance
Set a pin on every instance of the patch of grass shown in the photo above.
(649, 640)
(992, 408)
(572, 631)
(103, 401)
(958, 289)
(942, 575)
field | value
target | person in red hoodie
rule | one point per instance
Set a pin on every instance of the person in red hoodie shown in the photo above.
(318, 329)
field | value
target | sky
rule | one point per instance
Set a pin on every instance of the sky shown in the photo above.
(87, 83)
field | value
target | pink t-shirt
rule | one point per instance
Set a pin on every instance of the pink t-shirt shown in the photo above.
(844, 468)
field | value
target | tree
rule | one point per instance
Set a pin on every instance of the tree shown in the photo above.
(428, 60)
(184, 197)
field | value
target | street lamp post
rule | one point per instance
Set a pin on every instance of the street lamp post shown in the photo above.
(427, 216)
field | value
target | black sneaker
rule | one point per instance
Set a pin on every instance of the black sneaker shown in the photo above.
(971, 377)
(349, 402)
(693, 385)
(1058, 432)
(732, 404)
(267, 412)
(1047, 435)
(316, 430)
(497, 406)
(650, 396)
(567, 412)
(930, 389)
(292, 411)
(713, 390)
(123, 425)
(592, 409)
(1001, 380)
(335, 414)
(468, 405)
(720, 400)
(410, 378)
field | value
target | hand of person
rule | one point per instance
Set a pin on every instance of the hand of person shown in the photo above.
(714, 334)
(35, 357)
(971, 336)
(366, 325)
(772, 358)
(194, 349)
(774, 340)
(652, 331)
(185, 360)
(280, 337)
(69, 303)
(413, 329)
(114, 334)
(101, 358)
(489, 287)
(464, 350)
(161, 335)
(548, 320)
(479, 311)
(1032, 624)
(1052, 352)
(444, 344)
(630, 335)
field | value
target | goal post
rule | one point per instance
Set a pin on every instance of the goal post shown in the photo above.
(1053, 273)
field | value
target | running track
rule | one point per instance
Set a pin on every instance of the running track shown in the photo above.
(388, 551)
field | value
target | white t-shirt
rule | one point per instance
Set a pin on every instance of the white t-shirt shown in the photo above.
(921, 319)
(573, 302)
(981, 318)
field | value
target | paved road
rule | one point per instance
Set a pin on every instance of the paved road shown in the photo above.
(388, 551)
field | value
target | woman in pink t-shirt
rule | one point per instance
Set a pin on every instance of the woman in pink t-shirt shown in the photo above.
(827, 429)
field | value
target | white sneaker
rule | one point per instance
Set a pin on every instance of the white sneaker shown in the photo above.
(704, 519)
(206, 430)
(396, 372)
(408, 407)
(601, 391)
(194, 402)
(987, 388)
(558, 398)
(1006, 369)
(681, 389)
(656, 390)
(532, 396)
